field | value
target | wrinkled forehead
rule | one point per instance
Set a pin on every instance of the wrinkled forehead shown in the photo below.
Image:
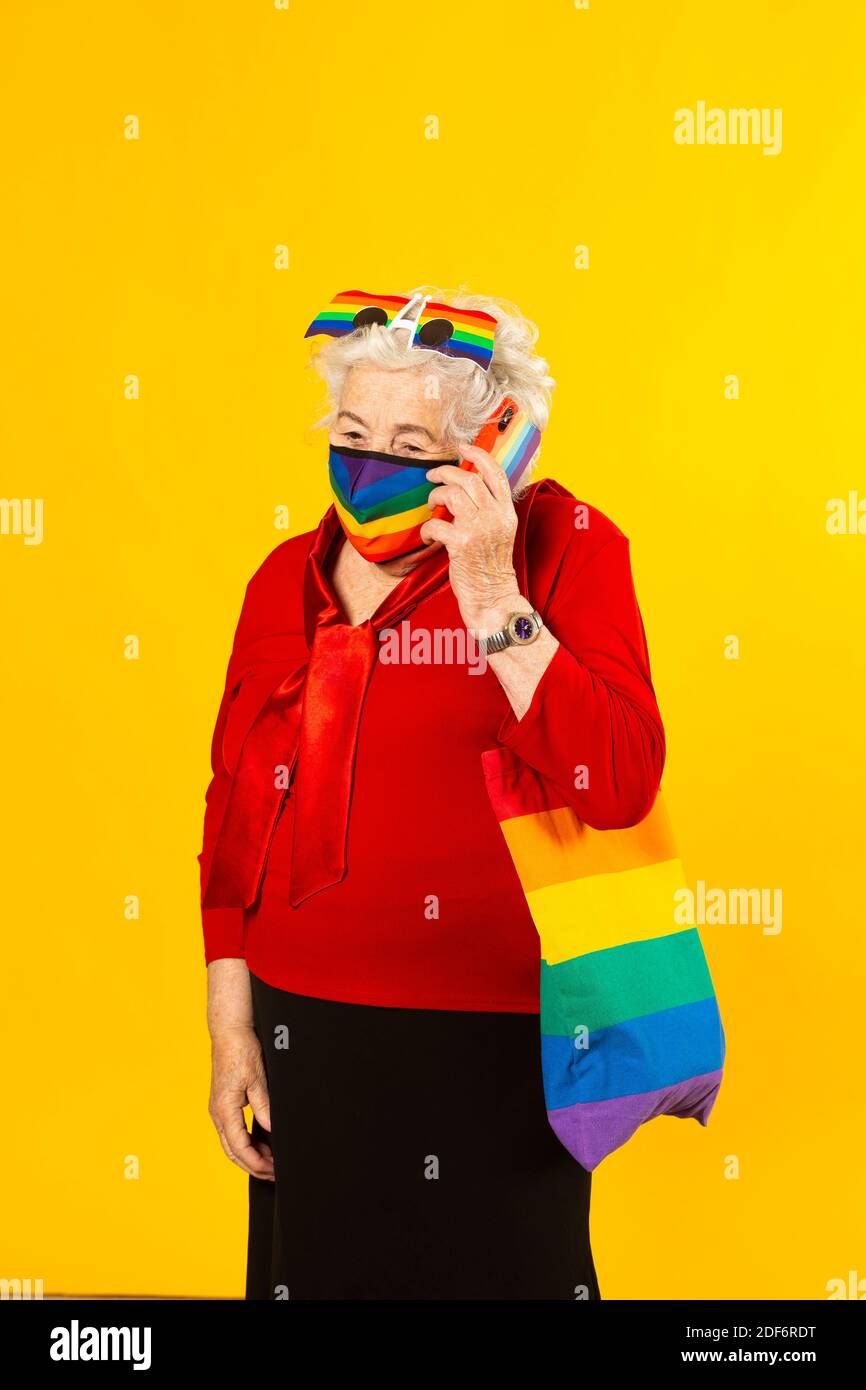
(390, 399)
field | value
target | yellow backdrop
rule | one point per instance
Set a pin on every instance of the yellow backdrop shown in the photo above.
(708, 349)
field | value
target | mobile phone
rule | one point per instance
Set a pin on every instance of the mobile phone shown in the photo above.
(512, 439)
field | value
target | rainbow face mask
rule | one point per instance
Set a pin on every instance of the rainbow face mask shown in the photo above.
(381, 500)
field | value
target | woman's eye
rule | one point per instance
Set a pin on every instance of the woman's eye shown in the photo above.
(351, 434)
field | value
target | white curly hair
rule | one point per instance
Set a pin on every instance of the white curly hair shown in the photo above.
(469, 394)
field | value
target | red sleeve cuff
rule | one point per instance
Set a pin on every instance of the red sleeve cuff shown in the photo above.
(223, 933)
(523, 736)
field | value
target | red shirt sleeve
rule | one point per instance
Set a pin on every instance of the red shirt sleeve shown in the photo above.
(268, 641)
(223, 927)
(594, 707)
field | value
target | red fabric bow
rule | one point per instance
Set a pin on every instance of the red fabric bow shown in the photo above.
(309, 724)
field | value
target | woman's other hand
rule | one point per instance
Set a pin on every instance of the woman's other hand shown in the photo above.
(238, 1075)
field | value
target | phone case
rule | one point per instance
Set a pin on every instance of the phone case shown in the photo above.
(510, 436)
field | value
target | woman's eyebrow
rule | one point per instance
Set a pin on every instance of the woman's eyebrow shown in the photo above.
(419, 429)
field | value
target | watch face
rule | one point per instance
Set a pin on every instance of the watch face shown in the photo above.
(522, 627)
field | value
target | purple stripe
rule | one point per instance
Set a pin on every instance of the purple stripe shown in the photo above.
(375, 470)
(522, 459)
(477, 354)
(593, 1129)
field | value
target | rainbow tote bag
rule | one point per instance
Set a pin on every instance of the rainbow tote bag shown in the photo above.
(630, 1026)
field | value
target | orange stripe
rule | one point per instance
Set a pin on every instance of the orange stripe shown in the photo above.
(382, 547)
(555, 847)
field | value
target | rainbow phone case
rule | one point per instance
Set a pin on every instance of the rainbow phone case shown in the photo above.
(513, 447)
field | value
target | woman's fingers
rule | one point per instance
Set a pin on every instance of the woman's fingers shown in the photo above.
(237, 1143)
(470, 484)
(437, 530)
(255, 1159)
(257, 1095)
(237, 1079)
(491, 473)
(489, 476)
(458, 501)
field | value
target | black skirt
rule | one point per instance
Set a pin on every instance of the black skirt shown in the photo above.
(413, 1159)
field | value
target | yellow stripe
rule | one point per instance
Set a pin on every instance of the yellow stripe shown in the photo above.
(505, 447)
(593, 914)
(402, 521)
(554, 846)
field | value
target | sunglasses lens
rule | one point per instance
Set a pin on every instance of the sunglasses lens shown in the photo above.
(373, 314)
(435, 333)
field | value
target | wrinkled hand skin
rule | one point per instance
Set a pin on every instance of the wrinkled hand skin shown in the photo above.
(238, 1075)
(479, 540)
(480, 545)
(238, 1079)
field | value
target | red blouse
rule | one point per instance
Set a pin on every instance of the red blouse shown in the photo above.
(430, 912)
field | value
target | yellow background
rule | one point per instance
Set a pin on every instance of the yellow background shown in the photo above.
(155, 257)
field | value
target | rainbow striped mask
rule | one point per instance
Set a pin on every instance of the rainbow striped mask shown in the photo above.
(381, 500)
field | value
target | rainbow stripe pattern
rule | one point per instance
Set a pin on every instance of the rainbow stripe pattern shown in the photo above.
(630, 1026)
(382, 505)
(472, 335)
(516, 448)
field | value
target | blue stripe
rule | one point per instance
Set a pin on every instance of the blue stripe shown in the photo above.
(403, 480)
(336, 327)
(644, 1054)
(528, 444)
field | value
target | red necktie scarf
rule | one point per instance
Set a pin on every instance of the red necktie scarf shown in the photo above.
(309, 725)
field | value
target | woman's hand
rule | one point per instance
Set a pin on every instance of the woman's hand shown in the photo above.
(238, 1075)
(480, 539)
(480, 545)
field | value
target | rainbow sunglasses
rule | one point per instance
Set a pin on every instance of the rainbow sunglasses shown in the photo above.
(454, 332)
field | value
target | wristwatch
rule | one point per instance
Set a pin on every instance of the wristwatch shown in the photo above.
(519, 631)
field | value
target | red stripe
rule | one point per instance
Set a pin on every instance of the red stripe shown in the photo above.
(476, 315)
(360, 297)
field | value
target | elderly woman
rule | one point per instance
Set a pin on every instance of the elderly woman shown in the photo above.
(373, 967)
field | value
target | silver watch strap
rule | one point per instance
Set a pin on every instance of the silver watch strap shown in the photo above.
(497, 642)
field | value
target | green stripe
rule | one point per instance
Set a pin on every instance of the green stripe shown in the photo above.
(608, 987)
(392, 506)
(463, 335)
